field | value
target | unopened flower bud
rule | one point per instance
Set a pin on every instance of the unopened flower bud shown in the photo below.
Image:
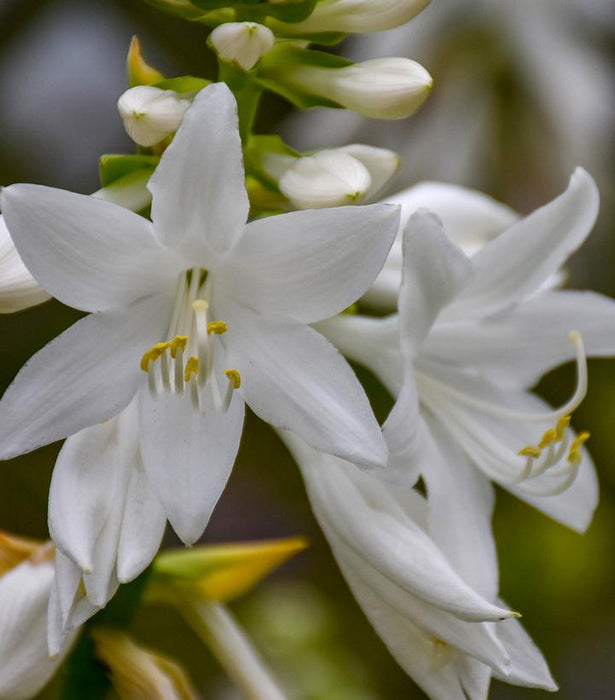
(382, 88)
(150, 114)
(242, 43)
(329, 178)
(357, 16)
(381, 163)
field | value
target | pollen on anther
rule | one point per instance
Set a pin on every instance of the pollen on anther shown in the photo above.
(529, 451)
(178, 343)
(192, 367)
(217, 327)
(153, 354)
(574, 453)
(234, 377)
(549, 436)
(561, 426)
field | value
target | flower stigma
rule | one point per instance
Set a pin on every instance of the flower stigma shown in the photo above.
(187, 360)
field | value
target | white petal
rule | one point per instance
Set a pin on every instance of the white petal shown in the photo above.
(434, 272)
(518, 262)
(188, 456)
(310, 264)
(26, 666)
(528, 667)
(89, 478)
(87, 374)
(89, 254)
(470, 220)
(199, 197)
(391, 541)
(18, 289)
(520, 344)
(460, 502)
(143, 525)
(475, 676)
(294, 378)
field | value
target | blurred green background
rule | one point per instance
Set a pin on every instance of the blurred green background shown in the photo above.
(61, 72)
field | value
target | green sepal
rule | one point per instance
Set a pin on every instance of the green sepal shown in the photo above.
(113, 166)
(258, 10)
(183, 84)
(84, 676)
(256, 151)
(179, 8)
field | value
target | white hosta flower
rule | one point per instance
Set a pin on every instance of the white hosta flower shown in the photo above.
(26, 580)
(356, 16)
(474, 335)
(18, 289)
(383, 88)
(176, 286)
(433, 623)
(151, 114)
(327, 178)
(243, 43)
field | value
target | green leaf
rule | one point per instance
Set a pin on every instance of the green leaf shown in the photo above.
(259, 10)
(113, 166)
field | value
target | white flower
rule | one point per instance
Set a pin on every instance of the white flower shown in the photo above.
(150, 114)
(383, 88)
(242, 42)
(355, 16)
(18, 289)
(472, 336)
(433, 622)
(175, 286)
(26, 581)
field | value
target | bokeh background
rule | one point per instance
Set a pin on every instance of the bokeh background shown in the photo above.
(524, 91)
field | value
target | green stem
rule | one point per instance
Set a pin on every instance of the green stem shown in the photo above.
(247, 93)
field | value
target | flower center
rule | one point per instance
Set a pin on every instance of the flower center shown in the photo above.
(554, 453)
(186, 362)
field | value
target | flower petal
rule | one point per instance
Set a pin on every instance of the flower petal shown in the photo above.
(470, 219)
(294, 378)
(143, 525)
(18, 289)
(528, 667)
(520, 344)
(309, 265)
(188, 456)
(518, 262)
(435, 270)
(89, 254)
(87, 374)
(199, 202)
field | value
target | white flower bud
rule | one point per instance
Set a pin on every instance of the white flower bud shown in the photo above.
(328, 178)
(150, 114)
(381, 163)
(382, 88)
(242, 43)
(356, 16)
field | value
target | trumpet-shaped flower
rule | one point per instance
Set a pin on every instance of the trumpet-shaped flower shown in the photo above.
(195, 312)
(427, 611)
(470, 339)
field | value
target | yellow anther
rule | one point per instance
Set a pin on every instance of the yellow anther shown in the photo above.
(574, 454)
(200, 305)
(549, 436)
(178, 343)
(561, 426)
(234, 376)
(529, 451)
(192, 367)
(153, 354)
(217, 327)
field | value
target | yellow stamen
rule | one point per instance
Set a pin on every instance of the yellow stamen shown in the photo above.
(234, 376)
(574, 454)
(153, 354)
(178, 343)
(192, 367)
(217, 327)
(529, 451)
(549, 436)
(561, 426)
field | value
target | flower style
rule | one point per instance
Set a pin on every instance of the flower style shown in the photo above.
(471, 337)
(176, 286)
(432, 620)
